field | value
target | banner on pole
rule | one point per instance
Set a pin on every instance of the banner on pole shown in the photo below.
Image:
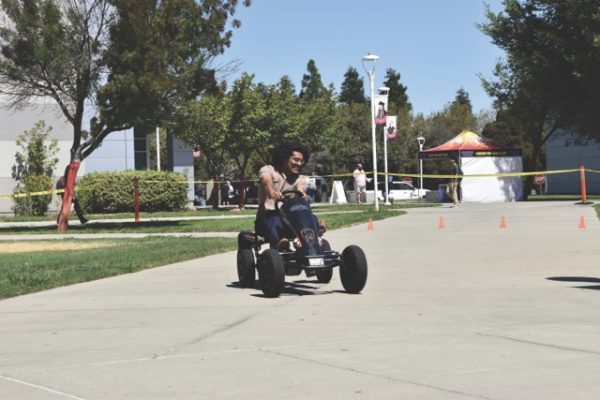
(381, 104)
(390, 127)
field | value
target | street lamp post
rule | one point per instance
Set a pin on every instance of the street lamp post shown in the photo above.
(372, 58)
(421, 141)
(384, 91)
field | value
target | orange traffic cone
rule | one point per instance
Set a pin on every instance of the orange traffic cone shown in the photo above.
(370, 225)
(582, 222)
(442, 223)
(502, 222)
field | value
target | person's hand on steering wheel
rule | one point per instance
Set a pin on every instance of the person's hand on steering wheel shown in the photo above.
(275, 194)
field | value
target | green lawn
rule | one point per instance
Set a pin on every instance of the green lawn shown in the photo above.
(28, 272)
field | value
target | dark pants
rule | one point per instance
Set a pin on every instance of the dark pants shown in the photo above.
(77, 209)
(270, 225)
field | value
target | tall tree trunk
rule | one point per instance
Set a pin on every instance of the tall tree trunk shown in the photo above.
(242, 189)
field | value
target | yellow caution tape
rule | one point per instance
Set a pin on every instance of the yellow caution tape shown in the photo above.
(347, 175)
(31, 194)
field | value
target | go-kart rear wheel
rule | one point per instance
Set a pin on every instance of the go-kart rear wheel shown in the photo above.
(353, 270)
(271, 273)
(325, 275)
(245, 267)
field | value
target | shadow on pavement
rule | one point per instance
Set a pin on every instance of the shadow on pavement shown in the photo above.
(297, 288)
(577, 279)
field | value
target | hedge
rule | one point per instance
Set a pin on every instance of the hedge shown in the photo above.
(110, 192)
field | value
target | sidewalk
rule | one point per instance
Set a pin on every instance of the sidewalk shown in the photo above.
(468, 311)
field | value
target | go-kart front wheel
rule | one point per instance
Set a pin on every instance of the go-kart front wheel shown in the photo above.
(353, 271)
(245, 267)
(271, 273)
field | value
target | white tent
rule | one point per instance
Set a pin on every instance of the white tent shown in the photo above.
(477, 155)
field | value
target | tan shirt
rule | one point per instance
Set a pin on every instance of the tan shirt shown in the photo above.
(279, 183)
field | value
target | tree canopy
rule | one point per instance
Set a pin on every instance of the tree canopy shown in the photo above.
(550, 78)
(551, 72)
(133, 60)
(353, 88)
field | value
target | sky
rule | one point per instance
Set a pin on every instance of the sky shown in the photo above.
(434, 44)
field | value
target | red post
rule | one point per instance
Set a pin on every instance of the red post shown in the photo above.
(583, 186)
(67, 197)
(136, 199)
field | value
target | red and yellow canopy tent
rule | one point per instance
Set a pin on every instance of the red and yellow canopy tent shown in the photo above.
(477, 155)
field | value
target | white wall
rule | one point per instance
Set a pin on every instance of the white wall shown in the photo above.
(491, 189)
(566, 151)
(15, 122)
(115, 154)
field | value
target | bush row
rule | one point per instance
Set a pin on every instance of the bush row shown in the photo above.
(109, 192)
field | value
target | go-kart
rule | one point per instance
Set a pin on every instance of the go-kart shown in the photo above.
(309, 252)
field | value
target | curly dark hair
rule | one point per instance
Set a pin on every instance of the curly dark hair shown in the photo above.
(284, 151)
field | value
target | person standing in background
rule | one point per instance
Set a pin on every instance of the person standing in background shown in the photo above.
(360, 183)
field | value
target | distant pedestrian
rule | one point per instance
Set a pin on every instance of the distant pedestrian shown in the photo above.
(454, 182)
(226, 190)
(360, 183)
(200, 195)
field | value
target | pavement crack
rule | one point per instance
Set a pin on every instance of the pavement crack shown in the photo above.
(552, 346)
(204, 336)
(381, 376)
(217, 331)
(41, 387)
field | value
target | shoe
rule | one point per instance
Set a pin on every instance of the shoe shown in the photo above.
(283, 245)
(84, 221)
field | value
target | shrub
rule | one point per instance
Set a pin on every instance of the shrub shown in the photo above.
(109, 192)
(34, 162)
(32, 205)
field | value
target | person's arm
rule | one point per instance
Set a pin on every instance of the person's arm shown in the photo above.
(267, 183)
(302, 185)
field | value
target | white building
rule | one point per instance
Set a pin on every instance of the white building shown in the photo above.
(119, 151)
(568, 151)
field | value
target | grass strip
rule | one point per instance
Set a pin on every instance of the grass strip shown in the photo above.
(29, 272)
(342, 216)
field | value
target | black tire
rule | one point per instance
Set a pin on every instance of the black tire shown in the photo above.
(246, 267)
(325, 275)
(271, 273)
(353, 271)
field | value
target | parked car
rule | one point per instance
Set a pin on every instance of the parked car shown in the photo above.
(399, 191)
(406, 191)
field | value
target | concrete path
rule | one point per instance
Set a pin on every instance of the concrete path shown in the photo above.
(470, 311)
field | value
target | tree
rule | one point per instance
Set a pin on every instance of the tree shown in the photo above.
(134, 60)
(461, 113)
(203, 124)
(353, 88)
(312, 86)
(549, 79)
(245, 130)
(397, 96)
(349, 141)
(35, 162)
(282, 118)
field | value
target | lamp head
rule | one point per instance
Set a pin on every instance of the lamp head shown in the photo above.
(370, 57)
(421, 141)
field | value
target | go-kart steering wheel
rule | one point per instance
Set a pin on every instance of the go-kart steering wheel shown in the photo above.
(295, 192)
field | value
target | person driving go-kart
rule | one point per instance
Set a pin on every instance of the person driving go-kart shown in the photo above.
(287, 160)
